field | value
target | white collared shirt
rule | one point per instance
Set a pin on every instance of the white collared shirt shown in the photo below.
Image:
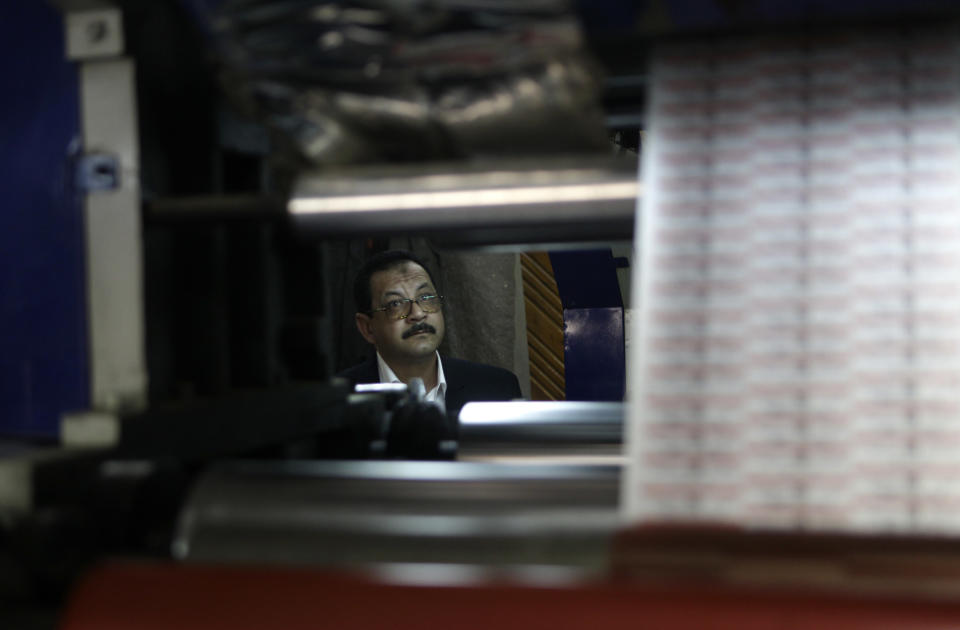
(437, 395)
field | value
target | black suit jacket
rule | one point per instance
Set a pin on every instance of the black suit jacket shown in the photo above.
(466, 381)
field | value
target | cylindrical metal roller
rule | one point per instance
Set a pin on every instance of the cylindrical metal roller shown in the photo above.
(550, 430)
(475, 203)
(387, 512)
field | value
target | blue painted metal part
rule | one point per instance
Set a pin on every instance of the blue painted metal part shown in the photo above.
(202, 12)
(97, 171)
(586, 279)
(594, 353)
(592, 324)
(44, 367)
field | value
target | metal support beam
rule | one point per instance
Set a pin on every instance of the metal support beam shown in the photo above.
(109, 172)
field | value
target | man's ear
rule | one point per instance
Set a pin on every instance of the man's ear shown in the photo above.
(364, 326)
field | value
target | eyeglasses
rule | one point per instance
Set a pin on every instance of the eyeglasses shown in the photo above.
(400, 308)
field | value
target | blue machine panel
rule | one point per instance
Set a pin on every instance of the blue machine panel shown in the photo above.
(594, 353)
(43, 345)
(593, 348)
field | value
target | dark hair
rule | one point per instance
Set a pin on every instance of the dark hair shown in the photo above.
(380, 262)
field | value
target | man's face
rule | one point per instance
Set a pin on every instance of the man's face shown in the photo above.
(402, 340)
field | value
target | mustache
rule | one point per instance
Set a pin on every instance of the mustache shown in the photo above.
(418, 328)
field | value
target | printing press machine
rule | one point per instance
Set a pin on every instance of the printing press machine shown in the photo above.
(242, 485)
(208, 266)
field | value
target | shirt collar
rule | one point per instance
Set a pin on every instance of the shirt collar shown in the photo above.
(387, 375)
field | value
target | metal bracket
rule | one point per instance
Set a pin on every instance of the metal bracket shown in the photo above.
(98, 171)
(90, 429)
(94, 33)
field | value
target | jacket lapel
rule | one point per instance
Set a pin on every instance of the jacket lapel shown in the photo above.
(456, 385)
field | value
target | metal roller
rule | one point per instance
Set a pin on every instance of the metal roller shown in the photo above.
(548, 431)
(476, 203)
(366, 514)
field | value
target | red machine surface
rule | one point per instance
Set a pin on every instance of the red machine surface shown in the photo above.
(168, 596)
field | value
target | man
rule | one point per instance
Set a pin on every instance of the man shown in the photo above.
(400, 312)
